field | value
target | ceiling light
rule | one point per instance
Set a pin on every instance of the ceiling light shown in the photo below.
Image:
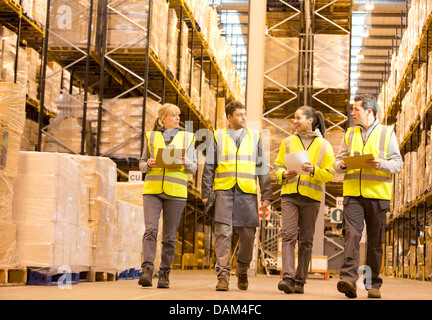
(360, 56)
(365, 33)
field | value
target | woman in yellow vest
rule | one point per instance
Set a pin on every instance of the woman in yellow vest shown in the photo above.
(301, 193)
(165, 189)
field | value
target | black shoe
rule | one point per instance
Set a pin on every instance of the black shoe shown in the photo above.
(146, 277)
(163, 281)
(286, 285)
(299, 287)
(348, 288)
(242, 281)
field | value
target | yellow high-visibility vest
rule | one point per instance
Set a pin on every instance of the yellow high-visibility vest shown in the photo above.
(320, 154)
(172, 182)
(236, 165)
(369, 183)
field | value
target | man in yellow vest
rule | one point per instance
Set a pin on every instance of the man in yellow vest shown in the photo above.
(367, 193)
(234, 161)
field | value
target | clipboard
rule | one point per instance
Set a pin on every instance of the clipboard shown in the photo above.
(358, 162)
(167, 158)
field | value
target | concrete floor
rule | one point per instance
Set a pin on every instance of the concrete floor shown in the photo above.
(200, 285)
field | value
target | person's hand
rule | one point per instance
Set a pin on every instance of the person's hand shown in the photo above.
(184, 160)
(308, 167)
(289, 175)
(205, 201)
(265, 203)
(342, 164)
(375, 163)
(151, 162)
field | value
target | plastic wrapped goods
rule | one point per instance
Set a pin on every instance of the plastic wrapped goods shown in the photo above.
(12, 119)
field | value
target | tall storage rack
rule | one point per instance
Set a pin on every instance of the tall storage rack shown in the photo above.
(105, 70)
(295, 34)
(407, 104)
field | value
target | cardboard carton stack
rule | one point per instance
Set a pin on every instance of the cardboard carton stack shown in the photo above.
(99, 175)
(131, 230)
(121, 126)
(12, 118)
(47, 204)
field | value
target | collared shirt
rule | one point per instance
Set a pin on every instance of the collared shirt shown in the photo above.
(394, 160)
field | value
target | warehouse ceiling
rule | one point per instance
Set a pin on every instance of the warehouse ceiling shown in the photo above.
(377, 26)
(376, 32)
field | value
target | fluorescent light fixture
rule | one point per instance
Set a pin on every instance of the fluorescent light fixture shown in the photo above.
(365, 33)
(360, 56)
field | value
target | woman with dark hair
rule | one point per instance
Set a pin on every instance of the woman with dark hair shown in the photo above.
(301, 193)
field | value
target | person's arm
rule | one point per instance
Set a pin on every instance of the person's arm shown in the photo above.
(325, 172)
(190, 163)
(394, 161)
(264, 179)
(209, 170)
(143, 165)
(339, 164)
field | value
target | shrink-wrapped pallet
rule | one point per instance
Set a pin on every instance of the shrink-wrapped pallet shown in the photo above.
(33, 65)
(131, 192)
(131, 231)
(8, 42)
(127, 24)
(47, 203)
(172, 42)
(99, 176)
(69, 23)
(12, 118)
(121, 126)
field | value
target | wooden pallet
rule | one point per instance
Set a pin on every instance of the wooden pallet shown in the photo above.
(13, 276)
(318, 275)
(96, 276)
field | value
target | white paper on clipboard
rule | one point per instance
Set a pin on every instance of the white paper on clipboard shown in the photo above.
(295, 161)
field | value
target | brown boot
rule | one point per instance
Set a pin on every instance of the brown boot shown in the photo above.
(348, 288)
(242, 282)
(222, 284)
(374, 293)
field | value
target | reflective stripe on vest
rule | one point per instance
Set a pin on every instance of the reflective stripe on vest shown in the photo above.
(368, 183)
(236, 165)
(172, 182)
(305, 184)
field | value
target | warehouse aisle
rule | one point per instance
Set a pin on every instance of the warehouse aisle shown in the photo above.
(200, 284)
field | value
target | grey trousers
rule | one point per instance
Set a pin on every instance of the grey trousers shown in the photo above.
(358, 210)
(299, 214)
(172, 211)
(223, 235)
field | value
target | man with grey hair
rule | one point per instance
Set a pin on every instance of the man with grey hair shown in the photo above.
(367, 193)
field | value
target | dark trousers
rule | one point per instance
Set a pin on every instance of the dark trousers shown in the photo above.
(171, 211)
(357, 211)
(299, 214)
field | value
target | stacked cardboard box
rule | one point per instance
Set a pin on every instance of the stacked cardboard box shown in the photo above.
(48, 201)
(30, 135)
(131, 230)
(130, 192)
(99, 175)
(172, 42)
(33, 67)
(121, 126)
(67, 131)
(69, 23)
(12, 118)
(120, 31)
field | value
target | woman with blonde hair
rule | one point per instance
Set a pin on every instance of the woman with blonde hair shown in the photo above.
(301, 193)
(164, 190)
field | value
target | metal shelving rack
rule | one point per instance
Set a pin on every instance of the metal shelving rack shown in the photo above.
(116, 72)
(416, 215)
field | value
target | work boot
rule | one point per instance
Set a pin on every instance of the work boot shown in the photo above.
(163, 281)
(146, 277)
(222, 284)
(374, 293)
(286, 285)
(299, 287)
(242, 282)
(348, 288)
